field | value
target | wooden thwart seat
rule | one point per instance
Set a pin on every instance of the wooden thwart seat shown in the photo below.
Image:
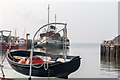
(18, 57)
(62, 60)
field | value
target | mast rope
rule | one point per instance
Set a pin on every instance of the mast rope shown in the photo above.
(46, 67)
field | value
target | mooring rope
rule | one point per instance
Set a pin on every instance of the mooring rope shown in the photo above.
(1, 65)
(46, 67)
(38, 66)
(2, 70)
(3, 59)
(48, 75)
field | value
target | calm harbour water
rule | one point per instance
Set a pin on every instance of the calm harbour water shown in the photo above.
(93, 65)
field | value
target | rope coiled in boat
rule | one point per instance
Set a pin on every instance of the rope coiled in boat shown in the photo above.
(46, 66)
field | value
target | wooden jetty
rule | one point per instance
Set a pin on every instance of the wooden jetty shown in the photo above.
(111, 48)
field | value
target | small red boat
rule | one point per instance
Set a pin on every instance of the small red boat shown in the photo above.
(7, 41)
(19, 44)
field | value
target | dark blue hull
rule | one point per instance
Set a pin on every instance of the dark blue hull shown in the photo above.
(57, 69)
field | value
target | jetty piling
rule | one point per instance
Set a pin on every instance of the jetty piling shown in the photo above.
(110, 50)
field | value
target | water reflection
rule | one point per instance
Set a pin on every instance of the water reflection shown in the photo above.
(110, 63)
(52, 51)
(93, 64)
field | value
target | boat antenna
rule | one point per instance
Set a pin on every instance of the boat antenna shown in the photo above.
(24, 32)
(15, 35)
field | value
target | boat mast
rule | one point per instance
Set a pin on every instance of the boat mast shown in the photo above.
(65, 43)
(55, 20)
(48, 17)
(48, 13)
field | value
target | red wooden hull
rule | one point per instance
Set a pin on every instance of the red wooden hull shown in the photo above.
(5, 47)
(19, 46)
(14, 47)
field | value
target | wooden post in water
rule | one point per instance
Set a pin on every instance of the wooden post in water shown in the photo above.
(104, 50)
(116, 50)
(109, 51)
(101, 50)
(119, 51)
(112, 51)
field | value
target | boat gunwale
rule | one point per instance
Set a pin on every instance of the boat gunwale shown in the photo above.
(50, 64)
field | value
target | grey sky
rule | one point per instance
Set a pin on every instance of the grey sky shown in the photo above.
(89, 21)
